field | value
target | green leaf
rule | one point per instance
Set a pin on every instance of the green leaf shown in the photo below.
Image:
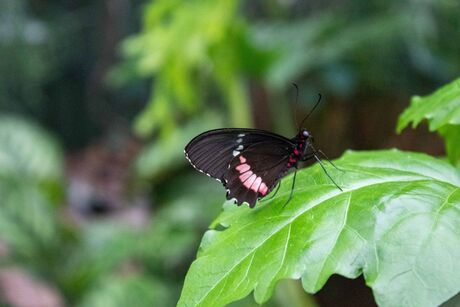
(397, 221)
(300, 46)
(193, 61)
(179, 222)
(30, 169)
(27, 220)
(27, 151)
(137, 290)
(101, 248)
(451, 135)
(442, 110)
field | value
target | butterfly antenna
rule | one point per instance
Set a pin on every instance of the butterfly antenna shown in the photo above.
(292, 190)
(296, 103)
(324, 169)
(311, 111)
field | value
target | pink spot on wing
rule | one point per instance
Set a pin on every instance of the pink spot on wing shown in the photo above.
(242, 168)
(296, 152)
(245, 176)
(242, 159)
(263, 189)
(256, 185)
(291, 160)
(248, 183)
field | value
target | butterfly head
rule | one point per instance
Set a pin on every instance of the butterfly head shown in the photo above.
(305, 135)
(304, 142)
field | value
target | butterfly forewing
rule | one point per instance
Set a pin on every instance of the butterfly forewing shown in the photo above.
(211, 153)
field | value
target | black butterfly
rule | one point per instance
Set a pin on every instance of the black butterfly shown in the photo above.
(249, 162)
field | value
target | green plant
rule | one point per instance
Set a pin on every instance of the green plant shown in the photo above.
(442, 111)
(396, 222)
(30, 173)
(84, 263)
(187, 47)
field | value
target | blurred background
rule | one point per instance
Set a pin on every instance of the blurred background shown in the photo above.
(98, 206)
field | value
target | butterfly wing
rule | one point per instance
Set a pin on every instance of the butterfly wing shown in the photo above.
(256, 171)
(235, 156)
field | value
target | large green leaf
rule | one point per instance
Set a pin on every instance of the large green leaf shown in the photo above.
(397, 221)
(442, 110)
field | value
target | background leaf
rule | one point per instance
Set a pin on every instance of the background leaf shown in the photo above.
(328, 40)
(30, 170)
(134, 290)
(162, 157)
(28, 151)
(442, 110)
(393, 203)
(451, 135)
(28, 234)
(186, 53)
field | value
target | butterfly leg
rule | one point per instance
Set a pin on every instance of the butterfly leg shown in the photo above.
(292, 189)
(274, 194)
(328, 160)
(325, 171)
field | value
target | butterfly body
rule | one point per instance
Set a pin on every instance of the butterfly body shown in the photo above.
(248, 162)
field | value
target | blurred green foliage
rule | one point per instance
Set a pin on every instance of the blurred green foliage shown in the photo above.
(205, 51)
(55, 57)
(161, 157)
(132, 291)
(362, 48)
(30, 174)
(98, 263)
(24, 41)
(188, 48)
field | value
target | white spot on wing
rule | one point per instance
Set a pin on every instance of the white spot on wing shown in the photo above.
(236, 153)
(239, 147)
(241, 135)
(239, 140)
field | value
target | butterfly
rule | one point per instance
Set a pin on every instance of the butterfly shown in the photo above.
(250, 162)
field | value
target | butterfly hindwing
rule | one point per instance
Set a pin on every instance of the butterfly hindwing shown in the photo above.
(254, 172)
